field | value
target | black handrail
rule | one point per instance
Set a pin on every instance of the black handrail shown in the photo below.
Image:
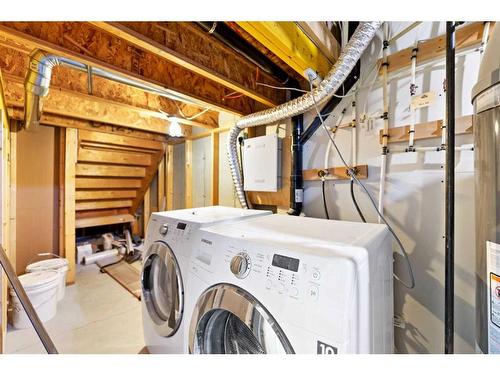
(26, 303)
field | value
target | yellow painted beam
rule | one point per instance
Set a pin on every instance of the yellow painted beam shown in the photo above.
(287, 41)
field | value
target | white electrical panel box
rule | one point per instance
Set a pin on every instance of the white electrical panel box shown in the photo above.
(262, 163)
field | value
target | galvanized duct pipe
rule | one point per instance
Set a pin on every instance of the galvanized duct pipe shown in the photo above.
(37, 83)
(346, 62)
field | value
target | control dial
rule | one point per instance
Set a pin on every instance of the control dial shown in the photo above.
(163, 230)
(240, 265)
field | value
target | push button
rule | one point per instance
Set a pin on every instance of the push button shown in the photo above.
(314, 292)
(294, 292)
(316, 275)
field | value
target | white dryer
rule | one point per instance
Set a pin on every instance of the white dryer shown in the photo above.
(168, 242)
(286, 284)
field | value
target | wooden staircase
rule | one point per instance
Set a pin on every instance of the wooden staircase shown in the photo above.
(113, 173)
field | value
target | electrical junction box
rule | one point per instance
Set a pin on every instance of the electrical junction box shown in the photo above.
(262, 163)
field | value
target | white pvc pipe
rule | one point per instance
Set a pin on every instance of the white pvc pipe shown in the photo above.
(354, 132)
(102, 255)
(413, 89)
(385, 136)
(484, 40)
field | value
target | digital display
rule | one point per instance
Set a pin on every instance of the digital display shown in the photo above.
(287, 263)
(181, 226)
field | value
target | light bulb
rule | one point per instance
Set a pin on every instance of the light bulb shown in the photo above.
(174, 129)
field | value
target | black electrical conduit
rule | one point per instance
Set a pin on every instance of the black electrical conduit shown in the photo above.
(449, 287)
(301, 136)
(26, 303)
(229, 37)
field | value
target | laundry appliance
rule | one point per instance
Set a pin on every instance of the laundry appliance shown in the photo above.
(169, 239)
(287, 284)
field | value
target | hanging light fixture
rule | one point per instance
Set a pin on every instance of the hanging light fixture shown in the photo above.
(174, 129)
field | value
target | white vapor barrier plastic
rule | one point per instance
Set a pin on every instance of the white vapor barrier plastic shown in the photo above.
(334, 79)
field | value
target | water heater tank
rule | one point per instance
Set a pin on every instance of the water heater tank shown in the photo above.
(486, 101)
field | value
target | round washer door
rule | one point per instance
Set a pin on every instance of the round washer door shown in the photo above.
(229, 320)
(162, 289)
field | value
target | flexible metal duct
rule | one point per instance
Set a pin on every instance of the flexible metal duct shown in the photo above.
(36, 86)
(333, 80)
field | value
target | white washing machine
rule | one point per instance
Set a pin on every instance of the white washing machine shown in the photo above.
(286, 284)
(168, 242)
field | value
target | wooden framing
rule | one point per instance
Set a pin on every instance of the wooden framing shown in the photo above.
(466, 37)
(68, 103)
(170, 177)
(6, 210)
(71, 158)
(14, 63)
(188, 149)
(224, 67)
(426, 130)
(146, 213)
(215, 167)
(161, 185)
(287, 41)
(335, 173)
(96, 48)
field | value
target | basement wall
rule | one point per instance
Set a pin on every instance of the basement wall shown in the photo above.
(414, 200)
(37, 221)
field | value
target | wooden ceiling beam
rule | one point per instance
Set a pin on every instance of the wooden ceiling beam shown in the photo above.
(89, 45)
(88, 107)
(14, 61)
(197, 51)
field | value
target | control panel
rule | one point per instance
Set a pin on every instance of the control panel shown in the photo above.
(174, 231)
(282, 275)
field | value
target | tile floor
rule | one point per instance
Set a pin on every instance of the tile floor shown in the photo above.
(97, 315)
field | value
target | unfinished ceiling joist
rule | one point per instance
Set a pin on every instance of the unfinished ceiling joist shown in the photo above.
(89, 107)
(205, 56)
(100, 49)
(287, 41)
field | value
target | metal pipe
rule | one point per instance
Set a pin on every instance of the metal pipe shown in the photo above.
(26, 303)
(449, 286)
(37, 83)
(229, 37)
(296, 179)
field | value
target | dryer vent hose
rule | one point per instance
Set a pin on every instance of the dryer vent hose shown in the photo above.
(336, 76)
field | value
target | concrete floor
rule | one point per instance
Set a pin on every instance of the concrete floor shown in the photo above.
(97, 315)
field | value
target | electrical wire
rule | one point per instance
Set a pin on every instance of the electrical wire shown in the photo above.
(355, 202)
(324, 198)
(352, 173)
(280, 88)
(193, 116)
(241, 168)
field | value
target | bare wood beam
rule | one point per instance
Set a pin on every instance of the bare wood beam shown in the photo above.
(88, 107)
(69, 202)
(109, 170)
(15, 63)
(189, 173)
(126, 59)
(104, 194)
(161, 185)
(120, 140)
(335, 173)
(146, 210)
(107, 183)
(170, 177)
(103, 220)
(96, 205)
(108, 157)
(224, 67)
(215, 168)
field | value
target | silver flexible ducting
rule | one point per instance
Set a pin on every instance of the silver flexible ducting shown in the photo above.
(333, 80)
(36, 85)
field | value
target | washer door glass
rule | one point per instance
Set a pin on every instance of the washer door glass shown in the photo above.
(162, 289)
(228, 320)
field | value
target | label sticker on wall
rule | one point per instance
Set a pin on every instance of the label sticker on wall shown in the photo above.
(493, 269)
(423, 100)
(299, 195)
